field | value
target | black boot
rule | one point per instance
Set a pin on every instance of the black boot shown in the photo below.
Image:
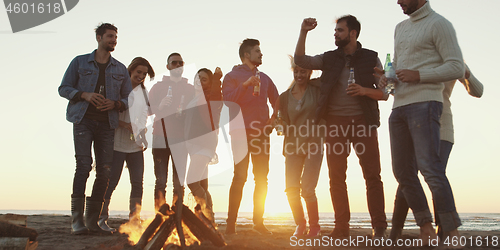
(103, 219)
(92, 213)
(77, 225)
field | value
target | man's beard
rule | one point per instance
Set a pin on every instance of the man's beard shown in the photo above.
(343, 42)
(110, 48)
(256, 62)
(411, 7)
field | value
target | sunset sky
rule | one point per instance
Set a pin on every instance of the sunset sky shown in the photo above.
(37, 163)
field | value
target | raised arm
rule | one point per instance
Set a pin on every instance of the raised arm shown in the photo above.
(300, 57)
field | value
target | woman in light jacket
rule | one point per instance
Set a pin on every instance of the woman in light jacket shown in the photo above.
(297, 107)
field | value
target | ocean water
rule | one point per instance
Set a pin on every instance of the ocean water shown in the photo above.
(470, 221)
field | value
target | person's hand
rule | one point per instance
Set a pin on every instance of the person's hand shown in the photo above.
(126, 125)
(309, 24)
(355, 90)
(165, 102)
(268, 129)
(218, 73)
(93, 98)
(409, 76)
(141, 139)
(252, 81)
(107, 105)
(380, 74)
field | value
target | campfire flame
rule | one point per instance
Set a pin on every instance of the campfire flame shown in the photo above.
(134, 230)
(189, 237)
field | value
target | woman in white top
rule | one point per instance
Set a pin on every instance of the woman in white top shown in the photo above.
(130, 142)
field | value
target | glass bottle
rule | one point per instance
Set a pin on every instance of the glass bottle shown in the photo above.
(351, 79)
(256, 88)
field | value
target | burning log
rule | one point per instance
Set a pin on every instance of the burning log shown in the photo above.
(158, 241)
(151, 229)
(200, 229)
(199, 226)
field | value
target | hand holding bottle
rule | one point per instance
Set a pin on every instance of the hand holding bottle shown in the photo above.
(217, 73)
(167, 100)
(252, 81)
(93, 98)
(354, 89)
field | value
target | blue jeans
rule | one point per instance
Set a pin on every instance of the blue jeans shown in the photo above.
(415, 138)
(135, 165)
(86, 133)
(400, 204)
(302, 174)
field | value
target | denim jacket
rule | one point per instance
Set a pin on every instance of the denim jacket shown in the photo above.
(82, 75)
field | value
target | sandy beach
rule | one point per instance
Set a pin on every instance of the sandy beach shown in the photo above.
(54, 234)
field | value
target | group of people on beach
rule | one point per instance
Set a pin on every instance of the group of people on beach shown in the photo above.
(109, 107)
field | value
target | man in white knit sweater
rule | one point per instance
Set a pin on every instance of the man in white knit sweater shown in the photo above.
(426, 54)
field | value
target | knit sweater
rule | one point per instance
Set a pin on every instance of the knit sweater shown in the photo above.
(426, 42)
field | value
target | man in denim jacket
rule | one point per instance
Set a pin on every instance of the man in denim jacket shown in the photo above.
(97, 87)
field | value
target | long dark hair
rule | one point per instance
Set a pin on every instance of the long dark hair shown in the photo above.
(138, 61)
(215, 90)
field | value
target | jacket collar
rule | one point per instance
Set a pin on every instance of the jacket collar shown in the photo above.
(112, 60)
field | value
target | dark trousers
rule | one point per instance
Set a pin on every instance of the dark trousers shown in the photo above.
(86, 134)
(135, 166)
(344, 131)
(161, 158)
(258, 150)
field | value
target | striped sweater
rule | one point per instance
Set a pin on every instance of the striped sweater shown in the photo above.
(426, 42)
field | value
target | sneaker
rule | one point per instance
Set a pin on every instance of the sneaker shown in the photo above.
(378, 233)
(314, 231)
(339, 233)
(260, 228)
(300, 230)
